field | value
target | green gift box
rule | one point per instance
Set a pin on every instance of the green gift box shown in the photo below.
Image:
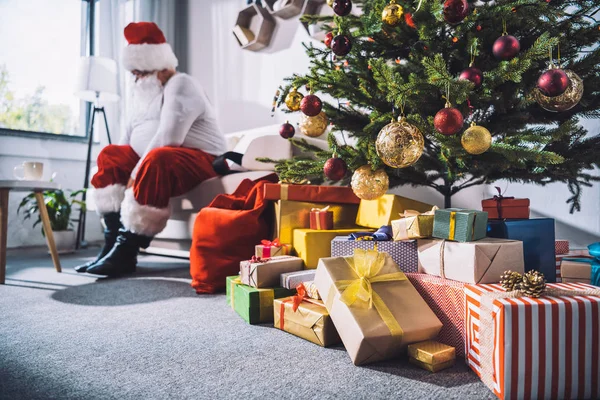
(460, 225)
(254, 305)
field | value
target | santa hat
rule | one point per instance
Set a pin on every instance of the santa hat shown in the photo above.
(148, 49)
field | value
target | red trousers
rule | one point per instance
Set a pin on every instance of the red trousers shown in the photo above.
(165, 172)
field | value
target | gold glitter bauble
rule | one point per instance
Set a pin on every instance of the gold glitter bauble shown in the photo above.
(476, 139)
(368, 184)
(569, 99)
(330, 3)
(399, 144)
(313, 126)
(293, 99)
(392, 14)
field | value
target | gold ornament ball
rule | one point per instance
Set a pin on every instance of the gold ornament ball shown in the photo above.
(293, 99)
(569, 99)
(368, 184)
(392, 14)
(399, 144)
(313, 126)
(476, 139)
(330, 3)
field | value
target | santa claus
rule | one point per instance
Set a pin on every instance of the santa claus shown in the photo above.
(168, 148)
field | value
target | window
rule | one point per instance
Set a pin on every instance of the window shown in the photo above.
(41, 42)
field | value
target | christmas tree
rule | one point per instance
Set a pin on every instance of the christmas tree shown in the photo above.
(526, 71)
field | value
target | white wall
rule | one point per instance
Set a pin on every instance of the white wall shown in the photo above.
(242, 83)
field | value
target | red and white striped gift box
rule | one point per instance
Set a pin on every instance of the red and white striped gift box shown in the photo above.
(537, 348)
(571, 253)
(561, 246)
(447, 300)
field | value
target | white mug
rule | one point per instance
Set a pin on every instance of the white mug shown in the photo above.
(29, 171)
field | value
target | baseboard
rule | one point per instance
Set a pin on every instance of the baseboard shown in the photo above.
(159, 251)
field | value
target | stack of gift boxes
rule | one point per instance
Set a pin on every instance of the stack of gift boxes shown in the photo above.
(398, 276)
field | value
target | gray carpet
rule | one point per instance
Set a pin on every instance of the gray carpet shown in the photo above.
(73, 336)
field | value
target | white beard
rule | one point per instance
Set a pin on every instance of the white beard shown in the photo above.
(145, 99)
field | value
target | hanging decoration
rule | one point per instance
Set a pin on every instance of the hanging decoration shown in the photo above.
(328, 39)
(335, 168)
(448, 120)
(476, 140)
(368, 184)
(455, 11)
(392, 13)
(569, 99)
(555, 81)
(287, 130)
(506, 47)
(311, 105)
(293, 99)
(341, 45)
(400, 144)
(472, 74)
(313, 126)
(342, 7)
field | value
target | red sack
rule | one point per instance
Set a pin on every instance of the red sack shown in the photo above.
(226, 232)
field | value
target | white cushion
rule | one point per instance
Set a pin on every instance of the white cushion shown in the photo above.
(260, 142)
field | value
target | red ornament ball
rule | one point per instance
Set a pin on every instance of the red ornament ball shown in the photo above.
(553, 82)
(311, 105)
(287, 130)
(448, 121)
(335, 169)
(455, 11)
(506, 47)
(472, 74)
(341, 45)
(328, 39)
(342, 7)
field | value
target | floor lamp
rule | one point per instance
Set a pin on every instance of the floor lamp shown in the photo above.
(97, 84)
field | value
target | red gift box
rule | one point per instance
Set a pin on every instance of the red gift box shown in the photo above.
(446, 299)
(561, 246)
(535, 348)
(500, 207)
(321, 218)
(311, 193)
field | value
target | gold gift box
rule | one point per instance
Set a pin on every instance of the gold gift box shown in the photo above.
(431, 355)
(380, 212)
(310, 321)
(290, 215)
(312, 245)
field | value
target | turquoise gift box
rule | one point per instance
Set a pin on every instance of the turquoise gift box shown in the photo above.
(460, 225)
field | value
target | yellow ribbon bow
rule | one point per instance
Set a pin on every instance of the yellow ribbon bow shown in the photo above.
(367, 265)
(414, 213)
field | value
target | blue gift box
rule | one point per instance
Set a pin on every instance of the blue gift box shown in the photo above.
(538, 238)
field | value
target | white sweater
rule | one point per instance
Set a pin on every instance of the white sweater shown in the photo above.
(187, 119)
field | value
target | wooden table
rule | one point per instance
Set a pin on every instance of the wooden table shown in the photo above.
(25, 186)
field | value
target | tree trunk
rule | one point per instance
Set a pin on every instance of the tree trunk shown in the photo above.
(447, 200)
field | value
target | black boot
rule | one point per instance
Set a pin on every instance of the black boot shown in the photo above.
(112, 223)
(122, 258)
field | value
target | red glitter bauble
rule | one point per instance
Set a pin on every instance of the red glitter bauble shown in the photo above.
(448, 121)
(342, 7)
(472, 74)
(455, 11)
(328, 39)
(506, 47)
(311, 105)
(553, 82)
(335, 169)
(341, 45)
(287, 130)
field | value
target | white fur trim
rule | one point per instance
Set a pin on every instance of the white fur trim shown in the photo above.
(143, 220)
(149, 57)
(108, 199)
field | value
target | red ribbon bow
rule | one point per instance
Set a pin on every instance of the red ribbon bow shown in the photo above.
(296, 301)
(255, 259)
(498, 198)
(274, 243)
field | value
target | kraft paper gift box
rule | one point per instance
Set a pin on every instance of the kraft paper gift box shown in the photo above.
(413, 225)
(306, 318)
(584, 270)
(483, 261)
(290, 280)
(538, 240)
(446, 298)
(431, 355)
(254, 305)
(382, 211)
(460, 225)
(379, 323)
(403, 253)
(291, 215)
(535, 348)
(500, 207)
(321, 218)
(265, 273)
(574, 253)
(311, 245)
(268, 248)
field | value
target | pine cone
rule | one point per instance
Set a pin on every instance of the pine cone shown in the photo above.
(533, 284)
(510, 280)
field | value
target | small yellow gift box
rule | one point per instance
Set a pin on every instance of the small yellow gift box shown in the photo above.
(431, 355)
(413, 225)
(380, 212)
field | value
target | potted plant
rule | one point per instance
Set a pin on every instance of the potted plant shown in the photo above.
(60, 207)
